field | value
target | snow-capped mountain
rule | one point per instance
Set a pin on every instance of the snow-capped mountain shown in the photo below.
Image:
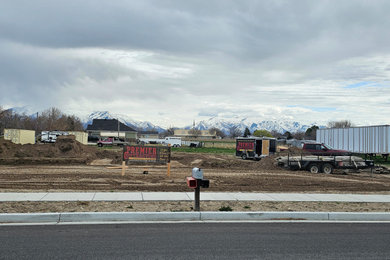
(253, 125)
(138, 125)
(25, 110)
(224, 124)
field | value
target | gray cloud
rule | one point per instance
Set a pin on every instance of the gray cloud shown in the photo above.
(263, 58)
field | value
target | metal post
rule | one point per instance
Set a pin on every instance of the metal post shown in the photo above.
(118, 128)
(197, 196)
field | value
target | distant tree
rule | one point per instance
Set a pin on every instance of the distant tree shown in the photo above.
(51, 119)
(73, 123)
(2, 120)
(169, 132)
(247, 132)
(195, 132)
(218, 132)
(9, 119)
(299, 135)
(311, 132)
(234, 132)
(261, 133)
(288, 135)
(340, 124)
(276, 134)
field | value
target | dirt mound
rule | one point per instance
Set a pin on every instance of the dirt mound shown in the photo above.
(293, 151)
(268, 163)
(65, 147)
(223, 161)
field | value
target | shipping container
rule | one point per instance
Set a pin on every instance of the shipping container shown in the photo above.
(20, 136)
(51, 136)
(363, 140)
(81, 137)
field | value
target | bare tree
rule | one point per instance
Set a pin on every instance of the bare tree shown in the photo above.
(276, 134)
(169, 132)
(51, 119)
(299, 135)
(234, 132)
(2, 111)
(340, 124)
(217, 132)
(195, 132)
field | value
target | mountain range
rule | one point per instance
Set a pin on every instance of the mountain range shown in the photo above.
(224, 124)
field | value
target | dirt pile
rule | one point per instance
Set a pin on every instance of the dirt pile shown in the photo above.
(66, 147)
(268, 163)
(294, 151)
(223, 161)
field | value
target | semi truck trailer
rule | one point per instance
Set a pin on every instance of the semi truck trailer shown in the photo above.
(368, 140)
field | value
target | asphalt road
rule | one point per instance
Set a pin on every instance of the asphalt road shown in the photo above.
(197, 241)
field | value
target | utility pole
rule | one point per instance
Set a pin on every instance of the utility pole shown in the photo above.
(36, 125)
(118, 127)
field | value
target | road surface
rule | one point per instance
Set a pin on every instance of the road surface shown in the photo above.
(197, 241)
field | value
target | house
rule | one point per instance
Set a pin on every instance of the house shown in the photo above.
(111, 128)
(194, 133)
(147, 134)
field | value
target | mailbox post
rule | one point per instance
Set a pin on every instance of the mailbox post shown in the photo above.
(195, 182)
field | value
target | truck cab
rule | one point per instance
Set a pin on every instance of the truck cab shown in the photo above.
(323, 149)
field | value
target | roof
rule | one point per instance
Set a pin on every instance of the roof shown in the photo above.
(109, 125)
(148, 132)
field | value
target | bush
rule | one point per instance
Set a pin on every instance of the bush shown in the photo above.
(225, 208)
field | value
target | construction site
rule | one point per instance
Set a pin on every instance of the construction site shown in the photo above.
(69, 166)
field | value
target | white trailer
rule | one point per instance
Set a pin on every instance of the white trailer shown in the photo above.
(51, 136)
(173, 141)
(363, 140)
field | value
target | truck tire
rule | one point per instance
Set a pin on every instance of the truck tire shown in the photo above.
(100, 145)
(327, 168)
(314, 168)
(244, 157)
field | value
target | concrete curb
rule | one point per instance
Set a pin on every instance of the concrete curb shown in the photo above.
(30, 217)
(128, 216)
(91, 217)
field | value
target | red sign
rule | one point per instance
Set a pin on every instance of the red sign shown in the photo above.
(245, 146)
(140, 152)
(157, 154)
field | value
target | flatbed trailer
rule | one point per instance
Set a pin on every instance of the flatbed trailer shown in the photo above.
(325, 164)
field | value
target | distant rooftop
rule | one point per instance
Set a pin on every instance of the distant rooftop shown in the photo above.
(109, 125)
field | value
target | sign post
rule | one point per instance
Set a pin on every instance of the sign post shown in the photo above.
(152, 154)
(196, 181)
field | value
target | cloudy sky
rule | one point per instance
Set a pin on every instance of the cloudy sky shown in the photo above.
(172, 62)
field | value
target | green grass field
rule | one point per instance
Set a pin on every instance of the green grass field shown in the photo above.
(379, 160)
(204, 150)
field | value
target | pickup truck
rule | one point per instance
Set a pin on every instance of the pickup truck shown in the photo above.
(322, 149)
(111, 141)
